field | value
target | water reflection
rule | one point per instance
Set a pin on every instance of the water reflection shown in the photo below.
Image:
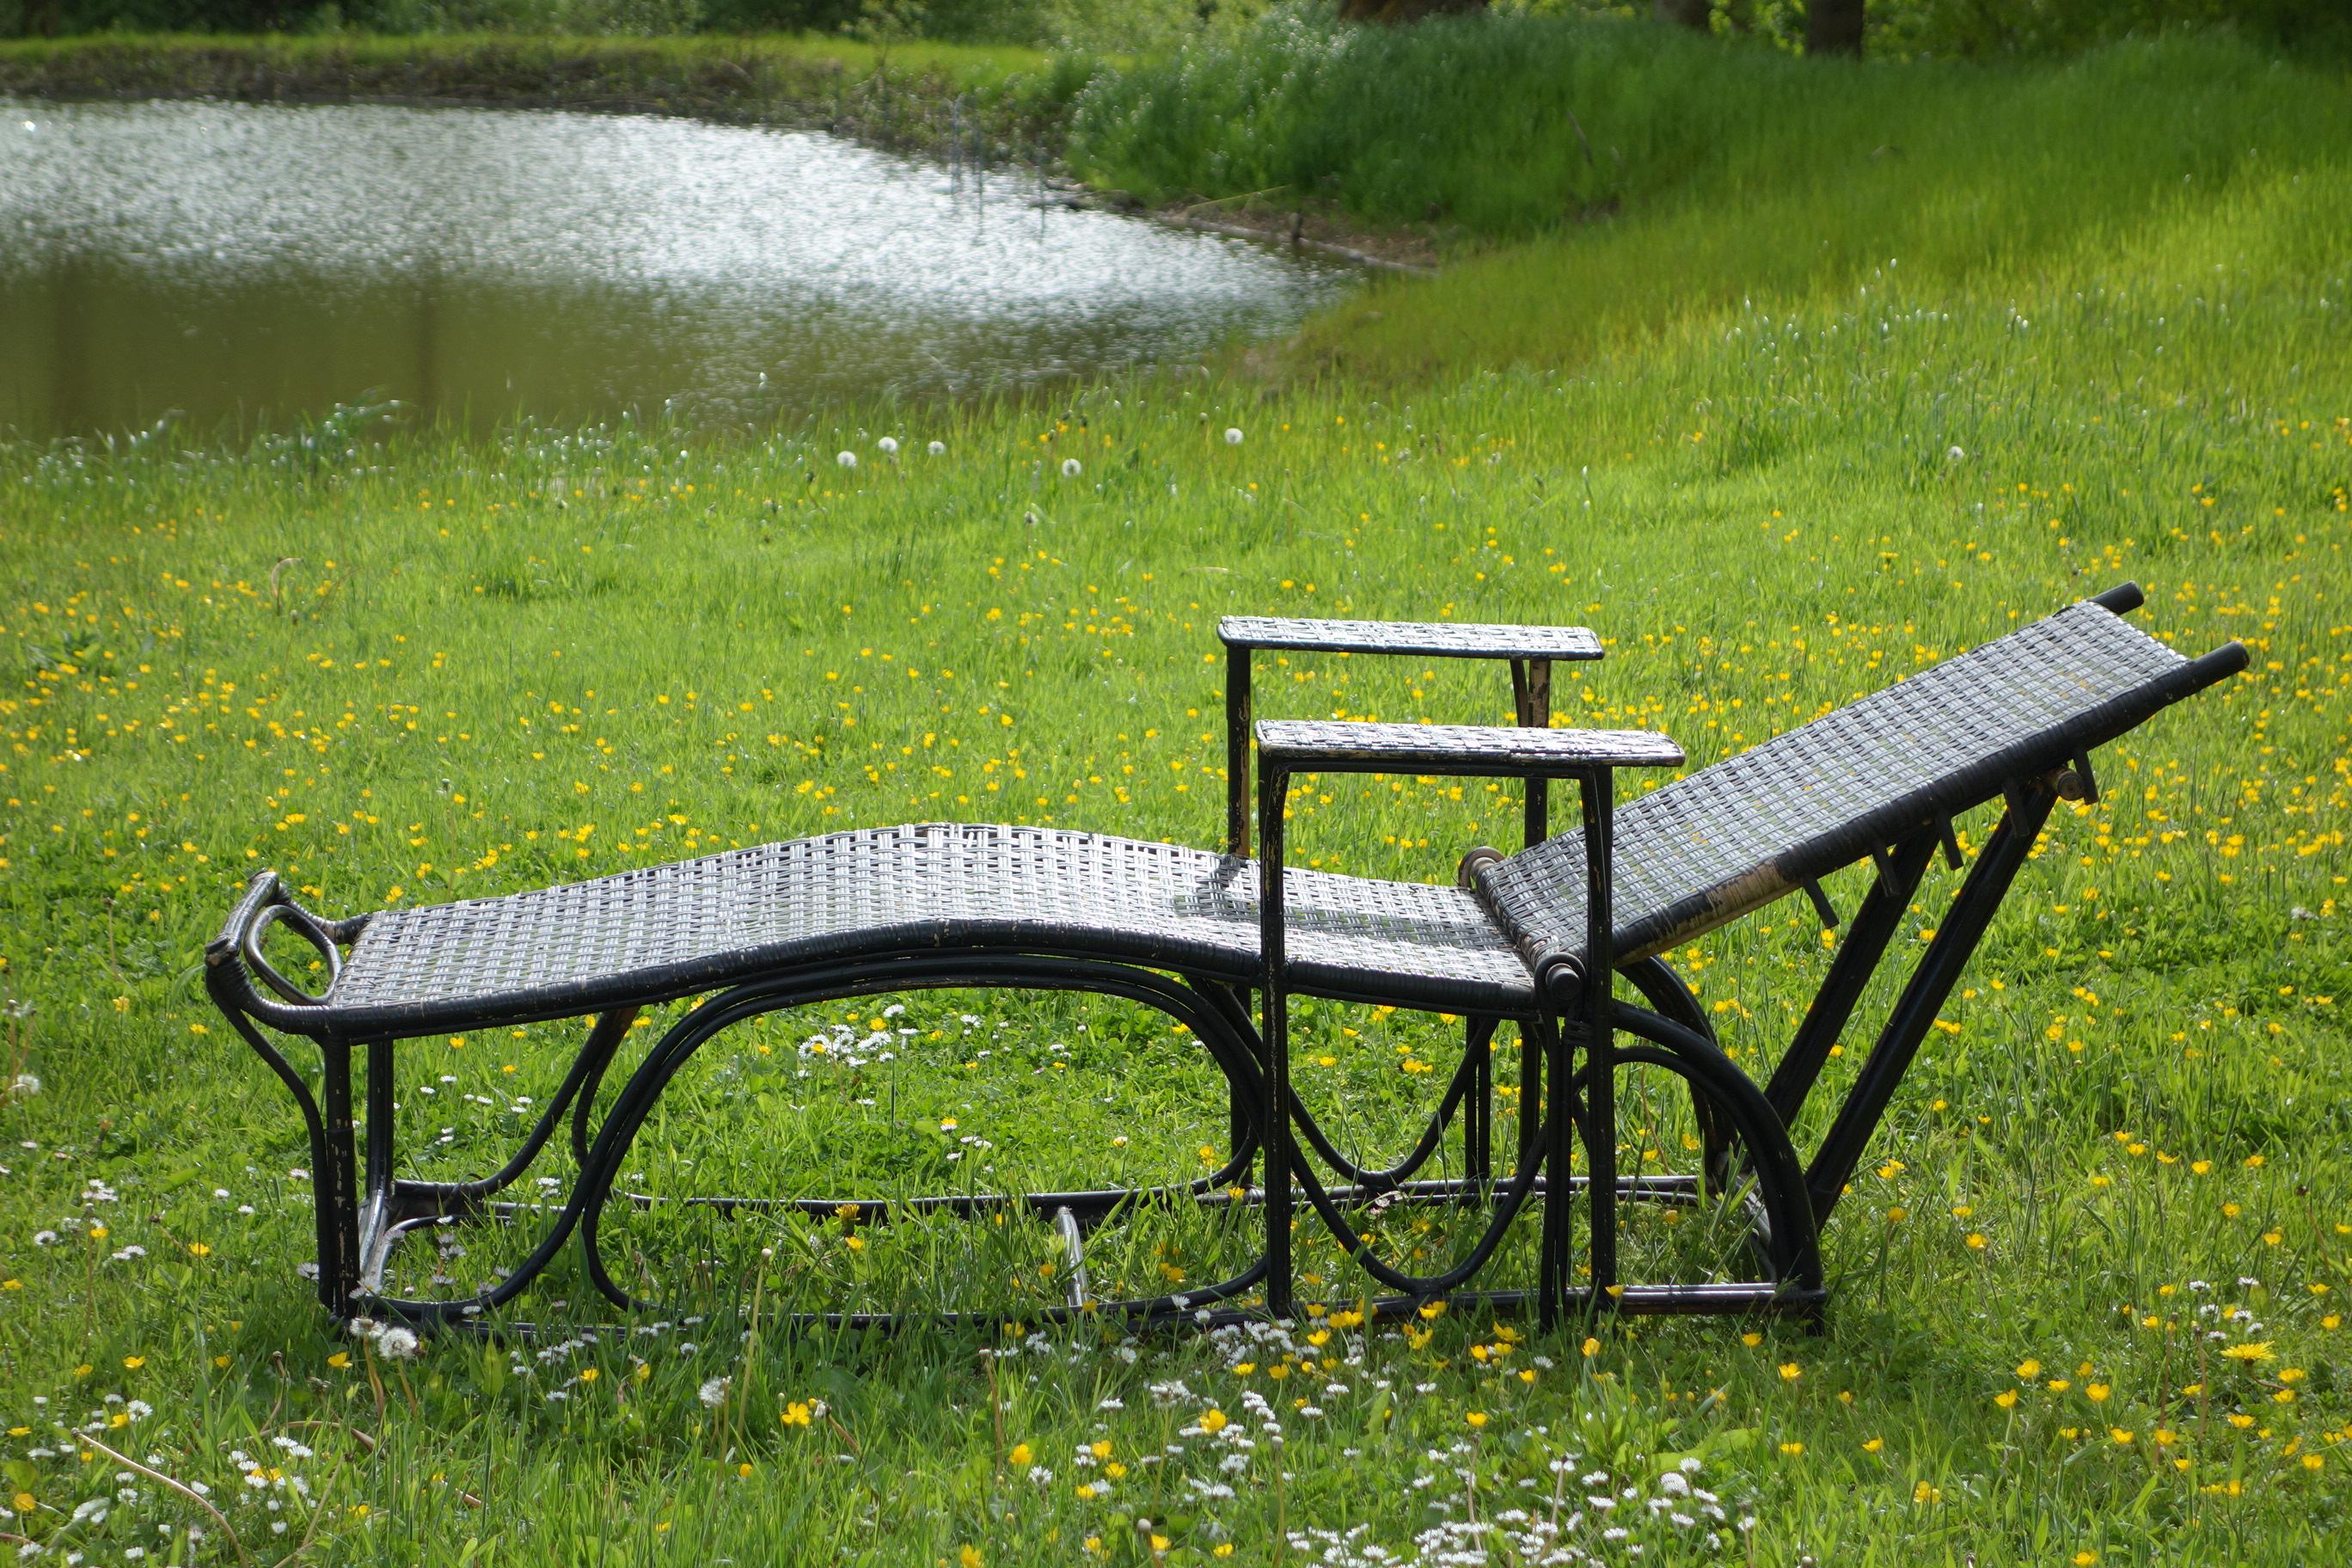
(233, 261)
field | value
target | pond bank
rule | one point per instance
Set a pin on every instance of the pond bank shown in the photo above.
(1009, 104)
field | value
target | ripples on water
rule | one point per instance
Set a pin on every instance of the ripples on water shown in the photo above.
(234, 262)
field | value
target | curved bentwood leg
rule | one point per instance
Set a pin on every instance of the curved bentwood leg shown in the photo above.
(394, 1206)
(1761, 1205)
(333, 1276)
(603, 1156)
(1750, 1173)
(1751, 1185)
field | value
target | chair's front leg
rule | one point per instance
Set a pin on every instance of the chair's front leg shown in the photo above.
(335, 1185)
(1597, 1009)
(373, 1199)
(1274, 785)
(1478, 1109)
(1547, 1042)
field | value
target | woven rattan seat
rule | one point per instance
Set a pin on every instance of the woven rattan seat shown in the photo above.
(669, 930)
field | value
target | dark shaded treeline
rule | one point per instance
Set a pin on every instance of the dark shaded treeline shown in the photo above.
(1969, 28)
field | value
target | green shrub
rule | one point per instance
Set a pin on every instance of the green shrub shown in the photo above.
(1518, 123)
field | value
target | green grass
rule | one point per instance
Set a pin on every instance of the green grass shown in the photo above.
(1518, 126)
(401, 668)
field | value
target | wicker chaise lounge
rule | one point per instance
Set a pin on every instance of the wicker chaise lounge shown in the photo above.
(1199, 934)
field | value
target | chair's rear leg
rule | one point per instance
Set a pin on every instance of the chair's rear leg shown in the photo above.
(1478, 1110)
(1531, 1068)
(1857, 959)
(1547, 1038)
(378, 1211)
(334, 1184)
(1241, 1111)
(1931, 983)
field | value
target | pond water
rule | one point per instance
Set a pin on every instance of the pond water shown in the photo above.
(240, 263)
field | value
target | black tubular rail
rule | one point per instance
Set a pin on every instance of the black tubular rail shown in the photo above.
(1220, 944)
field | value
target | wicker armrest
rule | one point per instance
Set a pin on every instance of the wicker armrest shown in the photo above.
(1422, 640)
(1530, 650)
(1590, 756)
(1313, 746)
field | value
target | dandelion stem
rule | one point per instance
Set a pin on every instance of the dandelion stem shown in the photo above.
(160, 1480)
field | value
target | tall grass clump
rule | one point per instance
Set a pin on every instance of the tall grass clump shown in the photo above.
(1475, 118)
(1511, 125)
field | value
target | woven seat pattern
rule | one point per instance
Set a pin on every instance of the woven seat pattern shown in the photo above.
(1707, 848)
(671, 931)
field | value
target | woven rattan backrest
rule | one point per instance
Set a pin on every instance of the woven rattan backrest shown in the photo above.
(1706, 849)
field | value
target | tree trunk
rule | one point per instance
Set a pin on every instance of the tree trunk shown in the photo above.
(1833, 28)
(1399, 11)
(1691, 14)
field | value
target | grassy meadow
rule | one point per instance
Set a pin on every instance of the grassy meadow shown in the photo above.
(2089, 1295)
